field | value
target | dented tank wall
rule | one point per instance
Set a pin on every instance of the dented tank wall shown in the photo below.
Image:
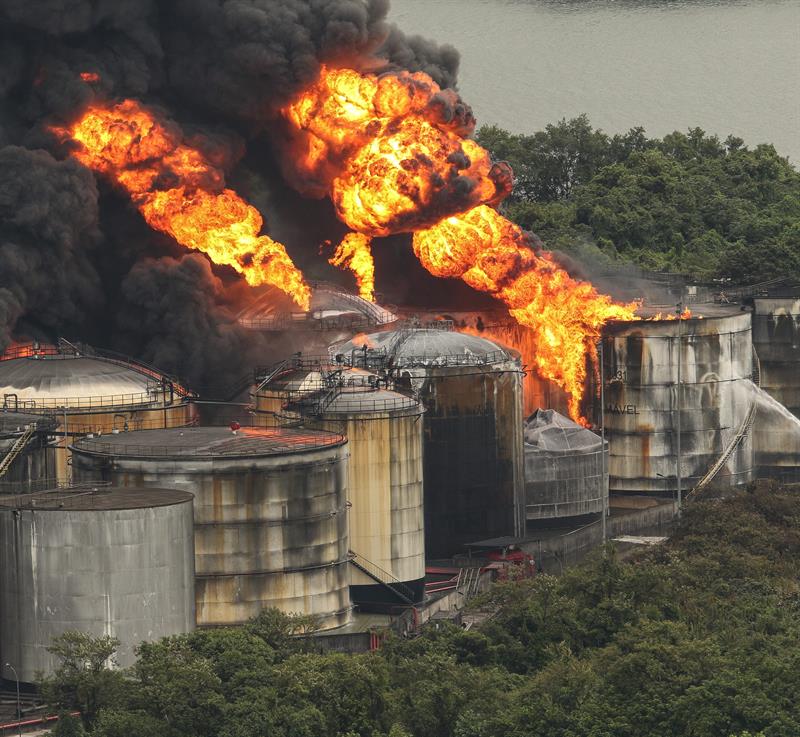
(270, 531)
(641, 400)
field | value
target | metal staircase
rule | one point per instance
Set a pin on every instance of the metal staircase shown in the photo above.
(17, 448)
(741, 433)
(468, 581)
(386, 579)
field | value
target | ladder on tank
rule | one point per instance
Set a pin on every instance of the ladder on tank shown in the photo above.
(386, 579)
(17, 448)
(741, 433)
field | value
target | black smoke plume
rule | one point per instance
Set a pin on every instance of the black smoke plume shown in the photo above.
(75, 257)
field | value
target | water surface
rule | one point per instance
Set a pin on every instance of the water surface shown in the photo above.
(728, 67)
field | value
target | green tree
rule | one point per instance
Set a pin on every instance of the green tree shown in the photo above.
(83, 679)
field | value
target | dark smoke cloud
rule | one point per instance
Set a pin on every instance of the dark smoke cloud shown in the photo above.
(48, 227)
(221, 69)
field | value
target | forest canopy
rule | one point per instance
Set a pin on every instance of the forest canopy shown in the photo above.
(687, 203)
(693, 638)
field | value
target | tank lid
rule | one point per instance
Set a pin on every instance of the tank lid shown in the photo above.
(548, 431)
(208, 442)
(96, 498)
(424, 347)
(358, 400)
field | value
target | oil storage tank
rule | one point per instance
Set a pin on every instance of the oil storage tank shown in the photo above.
(565, 470)
(649, 417)
(27, 455)
(269, 511)
(385, 482)
(776, 431)
(89, 391)
(471, 389)
(107, 561)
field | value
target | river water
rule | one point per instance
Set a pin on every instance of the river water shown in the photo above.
(727, 66)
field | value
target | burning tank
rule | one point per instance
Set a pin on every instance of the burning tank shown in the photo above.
(89, 391)
(678, 391)
(99, 559)
(566, 474)
(269, 513)
(471, 389)
(385, 487)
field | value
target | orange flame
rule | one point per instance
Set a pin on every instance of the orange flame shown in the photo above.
(179, 192)
(492, 255)
(90, 77)
(380, 148)
(392, 153)
(361, 340)
(354, 253)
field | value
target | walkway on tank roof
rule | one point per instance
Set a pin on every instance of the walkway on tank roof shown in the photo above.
(209, 442)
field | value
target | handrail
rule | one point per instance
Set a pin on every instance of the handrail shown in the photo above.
(17, 448)
(374, 571)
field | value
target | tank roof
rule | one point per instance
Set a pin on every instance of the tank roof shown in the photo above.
(209, 442)
(359, 400)
(548, 431)
(11, 422)
(97, 498)
(331, 307)
(69, 379)
(427, 347)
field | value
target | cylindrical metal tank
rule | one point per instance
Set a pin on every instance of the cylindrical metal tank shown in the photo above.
(89, 391)
(566, 474)
(385, 492)
(640, 371)
(108, 561)
(270, 513)
(776, 339)
(471, 389)
(26, 438)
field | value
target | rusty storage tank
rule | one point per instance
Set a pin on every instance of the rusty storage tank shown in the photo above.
(269, 509)
(776, 339)
(640, 370)
(385, 490)
(89, 391)
(471, 389)
(566, 474)
(104, 560)
(27, 455)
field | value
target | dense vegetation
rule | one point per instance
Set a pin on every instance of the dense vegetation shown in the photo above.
(695, 638)
(688, 203)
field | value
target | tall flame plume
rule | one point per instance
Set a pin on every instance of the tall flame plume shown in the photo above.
(181, 193)
(355, 253)
(393, 154)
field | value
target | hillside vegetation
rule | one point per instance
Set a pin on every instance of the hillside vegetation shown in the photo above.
(694, 638)
(688, 202)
